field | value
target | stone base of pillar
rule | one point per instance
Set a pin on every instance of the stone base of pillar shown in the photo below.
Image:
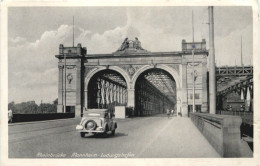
(78, 111)
(131, 98)
(178, 107)
(59, 108)
(184, 110)
(204, 108)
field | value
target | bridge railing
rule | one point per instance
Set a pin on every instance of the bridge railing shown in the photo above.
(40, 117)
(223, 133)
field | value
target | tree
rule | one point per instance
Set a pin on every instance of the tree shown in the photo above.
(11, 105)
(30, 107)
(24, 107)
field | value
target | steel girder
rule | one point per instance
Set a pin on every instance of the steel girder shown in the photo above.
(234, 71)
(230, 78)
(163, 82)
(238, 79)
(238, 87)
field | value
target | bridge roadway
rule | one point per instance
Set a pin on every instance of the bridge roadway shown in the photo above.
(142, 137)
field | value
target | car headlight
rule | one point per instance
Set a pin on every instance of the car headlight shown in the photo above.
(79, 127)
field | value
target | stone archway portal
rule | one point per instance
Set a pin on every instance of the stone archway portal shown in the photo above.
(164, 81)
(130, 61)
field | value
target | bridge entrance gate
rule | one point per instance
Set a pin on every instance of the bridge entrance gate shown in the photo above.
(149, 82)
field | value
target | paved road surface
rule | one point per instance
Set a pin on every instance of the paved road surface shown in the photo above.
(147, 137)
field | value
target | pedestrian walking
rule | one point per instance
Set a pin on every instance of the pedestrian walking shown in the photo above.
(172, 112)
(242, 108)
(168, 113)
(10, 116)
(180, 113)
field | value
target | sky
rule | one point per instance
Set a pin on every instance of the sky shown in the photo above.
(34, 35)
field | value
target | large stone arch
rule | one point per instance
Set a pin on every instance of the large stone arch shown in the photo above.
(95, 70)
(168, 69)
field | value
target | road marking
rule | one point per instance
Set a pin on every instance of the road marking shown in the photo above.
(154, 138)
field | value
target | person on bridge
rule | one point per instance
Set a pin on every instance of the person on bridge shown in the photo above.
(179, 113)
(242, 108)
(172, 112)
(168, 113)
(10, 116)
(230, 108)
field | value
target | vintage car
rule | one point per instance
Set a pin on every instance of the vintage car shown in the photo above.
(97, 121)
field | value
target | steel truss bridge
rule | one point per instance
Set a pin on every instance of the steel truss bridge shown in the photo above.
(236, 80)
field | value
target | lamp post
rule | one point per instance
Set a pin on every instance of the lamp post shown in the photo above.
(212, 68)
(193, 80)
(193, 75)
(65, 83)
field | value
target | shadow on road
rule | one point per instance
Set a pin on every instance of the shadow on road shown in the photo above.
(105, 135)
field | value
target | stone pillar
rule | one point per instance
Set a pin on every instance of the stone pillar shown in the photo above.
(131, 97)
(78, 108)
(204, 107)
(184, 99)
(60, 90)
(85, 99)
(178, 98)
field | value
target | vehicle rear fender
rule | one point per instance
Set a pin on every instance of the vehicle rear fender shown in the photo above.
(114, 126)
(106, 126)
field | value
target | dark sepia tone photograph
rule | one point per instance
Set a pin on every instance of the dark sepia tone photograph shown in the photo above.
(102, 82)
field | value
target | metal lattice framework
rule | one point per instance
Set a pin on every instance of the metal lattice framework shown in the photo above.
(234, 71)
(230, 79)
(163, 82)
(106, 90)
(235, 79)
(155, 91)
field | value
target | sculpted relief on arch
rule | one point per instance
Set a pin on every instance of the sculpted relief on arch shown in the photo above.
(131, 69)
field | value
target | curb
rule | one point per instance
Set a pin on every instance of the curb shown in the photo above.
(44, 121)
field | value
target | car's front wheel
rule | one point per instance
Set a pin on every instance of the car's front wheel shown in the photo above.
(82, 134)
